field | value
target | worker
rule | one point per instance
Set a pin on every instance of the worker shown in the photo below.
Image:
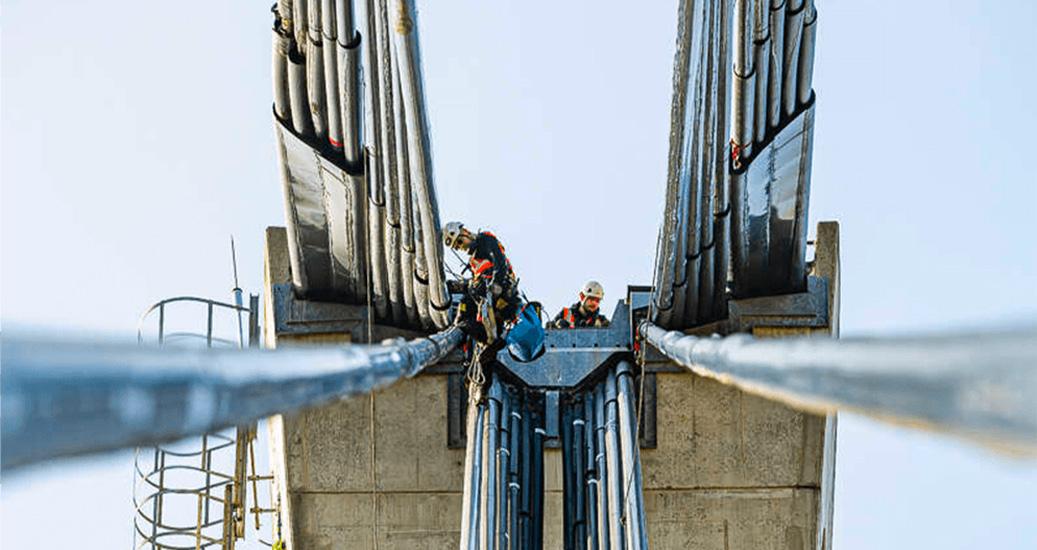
(491, 296)
(583, 314)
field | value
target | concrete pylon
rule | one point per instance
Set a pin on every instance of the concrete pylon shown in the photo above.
(737, 471)
(373, 471)
(728, 471)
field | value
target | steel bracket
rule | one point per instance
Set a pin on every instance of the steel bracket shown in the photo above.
(301, 316)
(296, 316)
(800, 309)
(573, 355)
(572, 358)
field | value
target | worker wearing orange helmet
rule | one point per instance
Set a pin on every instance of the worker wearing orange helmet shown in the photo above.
(586, 312)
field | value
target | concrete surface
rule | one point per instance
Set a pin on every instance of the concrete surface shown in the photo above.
(346, 482)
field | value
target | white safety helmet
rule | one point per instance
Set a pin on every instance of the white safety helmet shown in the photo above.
(593, 289)
(451, 232)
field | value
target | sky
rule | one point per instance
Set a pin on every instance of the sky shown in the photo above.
(135, 139)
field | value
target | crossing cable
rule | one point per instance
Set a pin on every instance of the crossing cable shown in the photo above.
(982, 385)
(63, 398)
(370, 339)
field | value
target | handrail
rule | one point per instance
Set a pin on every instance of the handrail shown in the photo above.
(160, 307)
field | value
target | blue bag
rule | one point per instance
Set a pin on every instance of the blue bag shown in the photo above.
(526, 338)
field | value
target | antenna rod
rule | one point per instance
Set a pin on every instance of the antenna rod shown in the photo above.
(237, 292)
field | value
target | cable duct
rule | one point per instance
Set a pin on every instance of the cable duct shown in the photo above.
(691, 260)
(503, 501)
(362, 215)
(740, 152)
(603, 502)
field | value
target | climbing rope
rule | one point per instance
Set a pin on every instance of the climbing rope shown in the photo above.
(637, 433)
(370, 340)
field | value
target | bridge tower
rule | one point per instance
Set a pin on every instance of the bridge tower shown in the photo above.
(374, 471)
(732, 470)
(726, 470)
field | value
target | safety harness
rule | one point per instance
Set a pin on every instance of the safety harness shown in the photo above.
(569, 317)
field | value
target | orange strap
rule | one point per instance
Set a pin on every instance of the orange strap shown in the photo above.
(480, 267)
(500, 245)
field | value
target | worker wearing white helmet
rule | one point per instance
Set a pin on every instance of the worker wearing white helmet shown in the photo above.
(493, 281)
(585, 313)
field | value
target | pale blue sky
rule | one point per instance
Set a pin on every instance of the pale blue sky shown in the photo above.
(136, 137)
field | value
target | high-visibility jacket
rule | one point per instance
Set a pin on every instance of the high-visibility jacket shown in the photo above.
(573, 317)
(488, 262)
(491, 270)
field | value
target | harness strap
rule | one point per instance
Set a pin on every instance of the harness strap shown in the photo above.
(567, 314)
(480, 267)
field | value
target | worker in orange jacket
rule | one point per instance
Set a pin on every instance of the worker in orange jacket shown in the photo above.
(586, 312)
(491, 296)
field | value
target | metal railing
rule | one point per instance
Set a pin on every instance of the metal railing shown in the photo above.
(193, 494)
(211, 307)
(164, 491)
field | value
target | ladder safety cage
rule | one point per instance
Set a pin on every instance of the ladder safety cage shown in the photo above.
(193, 493)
